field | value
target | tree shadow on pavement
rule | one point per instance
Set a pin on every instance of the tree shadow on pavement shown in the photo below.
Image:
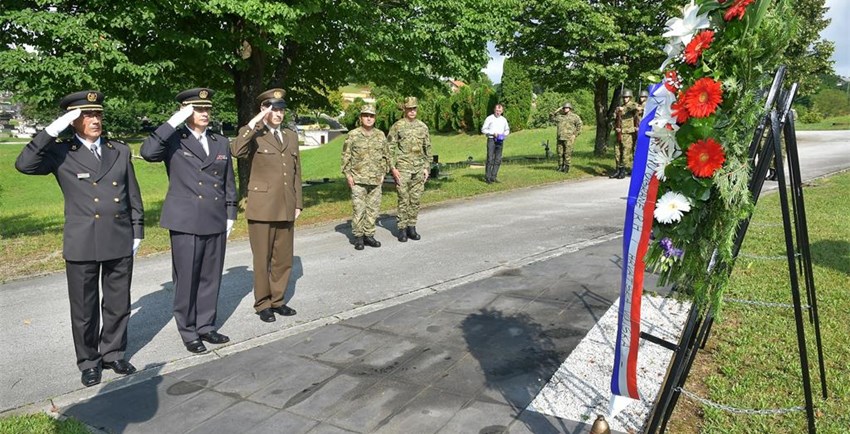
(518, 359)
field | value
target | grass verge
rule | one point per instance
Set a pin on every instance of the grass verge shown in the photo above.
(833, 123)
(40, 423)
(31, 207)
(751, 360)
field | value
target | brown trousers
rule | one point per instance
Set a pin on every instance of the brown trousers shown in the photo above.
(271, 245)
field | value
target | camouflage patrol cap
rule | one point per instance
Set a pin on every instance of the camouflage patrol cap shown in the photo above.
(644, 93)
(367, 109)
(627, 93)
(410, 102)
(567, 105)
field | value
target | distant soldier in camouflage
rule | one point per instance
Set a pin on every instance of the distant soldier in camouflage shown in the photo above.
(626, 122)
(644, 95)
(410, 146)
(365, 161)
(569, 126)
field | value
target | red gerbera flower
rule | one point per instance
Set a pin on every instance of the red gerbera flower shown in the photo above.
(698, 44)
(679, 111)
(705, 157)
(703, 97)
(737, 10)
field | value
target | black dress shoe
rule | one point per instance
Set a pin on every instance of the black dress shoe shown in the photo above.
(358, 243)
(411, 231)
(402, 235)
(370, 241)
(284, 310)
(266, 315)
(120, 366)
(90, 377)
(215, 337)
(195, 346)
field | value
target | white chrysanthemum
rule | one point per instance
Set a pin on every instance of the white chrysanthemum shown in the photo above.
(680, 31)
(664, 118)
(671, 207)
(673, 51)
(662, 155)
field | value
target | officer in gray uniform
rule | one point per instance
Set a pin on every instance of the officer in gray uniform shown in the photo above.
(199, 211)
(104, 225)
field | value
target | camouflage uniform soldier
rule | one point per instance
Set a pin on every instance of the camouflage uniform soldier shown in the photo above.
(569, 126)
(644, 95)
(410, 145)
(626, 118)
(365, 161)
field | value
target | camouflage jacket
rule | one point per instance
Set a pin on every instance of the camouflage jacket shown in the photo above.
(410, 145)
(627, 115)
(569, 125)
(366, 157)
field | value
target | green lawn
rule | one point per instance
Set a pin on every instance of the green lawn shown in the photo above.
(31, 206)
(40, 424)
(751, 360)
(834, 123)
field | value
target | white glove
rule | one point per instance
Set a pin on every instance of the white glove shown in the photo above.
(178, 118)
(136, 243)
(60, 124)
(229, 227)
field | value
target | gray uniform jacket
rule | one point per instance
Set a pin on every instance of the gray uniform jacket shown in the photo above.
(103, 206)
(201, 190)
(274, 187)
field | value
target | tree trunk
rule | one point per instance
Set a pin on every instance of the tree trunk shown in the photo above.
(600, 105)
(248, 84)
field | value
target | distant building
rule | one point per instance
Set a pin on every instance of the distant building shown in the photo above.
(365, 95)
(455, 85)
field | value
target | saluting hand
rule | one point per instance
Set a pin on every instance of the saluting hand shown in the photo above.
(62, 122)
(262, 114)
(180, 116)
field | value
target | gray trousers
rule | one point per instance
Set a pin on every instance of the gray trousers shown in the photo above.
(494, 159)
(196, 265)
(91, 342)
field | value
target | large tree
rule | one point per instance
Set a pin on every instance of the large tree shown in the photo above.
(516, 94)
(595, 44)
(808, 56)
(149, 49)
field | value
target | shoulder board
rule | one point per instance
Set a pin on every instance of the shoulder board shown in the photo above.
(119, 142)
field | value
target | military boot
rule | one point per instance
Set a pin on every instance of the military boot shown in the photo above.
(614, 174)
(358, 243)
(402, 235)
(370, 241)
(621, 173)
(566, 169)
(560, 168)
(411, 232)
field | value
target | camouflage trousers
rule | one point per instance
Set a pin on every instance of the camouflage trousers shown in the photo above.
(366, 200)
(565, 151)
(624, 154)
(410, 188)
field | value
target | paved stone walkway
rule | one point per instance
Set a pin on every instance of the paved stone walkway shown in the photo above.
(465, 360)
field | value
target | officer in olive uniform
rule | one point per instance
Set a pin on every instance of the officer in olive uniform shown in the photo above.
(626, 122)
(410, 145)
(274, 200)
(365, 160)
(104, 225)
(199, 211)
(569, 127)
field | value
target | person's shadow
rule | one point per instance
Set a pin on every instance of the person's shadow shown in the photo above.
(155, 310)
(515, 353)
(108, 412)
(297, 273)
(385, 221)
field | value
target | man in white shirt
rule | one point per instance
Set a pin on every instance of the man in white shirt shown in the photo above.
(496, 128)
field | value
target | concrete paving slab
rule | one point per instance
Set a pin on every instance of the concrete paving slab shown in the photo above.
(426, 414)
(240, 418)
(429, 363)
(481, 418)
(285, 422)
(324, 400)
(294, 384)
(375, 406)
(315, 343)
(186, 415)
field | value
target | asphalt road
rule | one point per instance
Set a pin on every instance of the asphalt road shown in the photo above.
(462, 241)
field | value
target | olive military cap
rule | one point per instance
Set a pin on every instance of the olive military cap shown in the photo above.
(567, 105)
(197, 97)
(410, 102)
(273, 97)
(628, 93)
(367, 109)
(87, 100)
